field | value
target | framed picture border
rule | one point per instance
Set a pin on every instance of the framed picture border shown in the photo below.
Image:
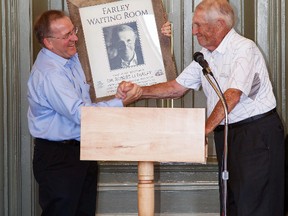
(165, 42)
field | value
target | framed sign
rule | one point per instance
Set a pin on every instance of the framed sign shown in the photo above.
(121, 40)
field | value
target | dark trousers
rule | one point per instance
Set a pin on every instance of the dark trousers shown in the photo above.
(67, 186)
(256, 167)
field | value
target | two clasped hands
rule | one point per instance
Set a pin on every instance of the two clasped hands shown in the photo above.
(128, 92)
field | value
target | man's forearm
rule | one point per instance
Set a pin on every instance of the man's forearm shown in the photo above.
(232, 97)
(167, 90)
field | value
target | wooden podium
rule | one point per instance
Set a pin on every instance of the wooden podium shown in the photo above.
(145, 135)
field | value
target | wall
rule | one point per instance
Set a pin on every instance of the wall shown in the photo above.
(264, 21)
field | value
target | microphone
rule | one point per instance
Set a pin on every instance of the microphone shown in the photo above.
(199, 57)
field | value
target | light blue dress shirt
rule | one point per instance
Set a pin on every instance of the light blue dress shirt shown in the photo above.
(57, 90)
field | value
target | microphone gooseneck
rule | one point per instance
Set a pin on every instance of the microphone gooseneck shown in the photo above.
(199, 57)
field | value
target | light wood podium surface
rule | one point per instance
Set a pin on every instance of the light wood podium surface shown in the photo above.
(145, 135)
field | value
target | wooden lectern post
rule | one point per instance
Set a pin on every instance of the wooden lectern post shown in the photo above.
(145, 135)
(145, 188)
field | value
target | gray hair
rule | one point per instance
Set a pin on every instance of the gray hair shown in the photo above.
(215, 9)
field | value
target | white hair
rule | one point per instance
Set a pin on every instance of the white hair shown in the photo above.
(215, 9)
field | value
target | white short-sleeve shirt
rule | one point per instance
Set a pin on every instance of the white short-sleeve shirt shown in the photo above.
(236, 63)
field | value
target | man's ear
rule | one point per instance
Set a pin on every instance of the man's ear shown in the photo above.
(220, 24)
(47, 43)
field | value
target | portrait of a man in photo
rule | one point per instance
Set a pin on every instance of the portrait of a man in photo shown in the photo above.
(123, 46)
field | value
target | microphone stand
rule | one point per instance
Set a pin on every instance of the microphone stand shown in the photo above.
(225, 174)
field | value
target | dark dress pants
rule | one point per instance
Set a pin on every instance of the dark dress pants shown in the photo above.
(256, 168)
(67, 186)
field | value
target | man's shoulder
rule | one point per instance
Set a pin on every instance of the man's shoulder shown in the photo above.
(240, 40)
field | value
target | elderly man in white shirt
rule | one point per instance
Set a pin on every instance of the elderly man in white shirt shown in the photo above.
(256, 135)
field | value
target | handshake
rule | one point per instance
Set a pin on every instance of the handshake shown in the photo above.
(128, 92)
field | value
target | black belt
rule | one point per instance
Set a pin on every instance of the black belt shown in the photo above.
(245, 121)
(62, 142)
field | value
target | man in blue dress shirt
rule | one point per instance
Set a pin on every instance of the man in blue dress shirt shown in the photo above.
(57, 90)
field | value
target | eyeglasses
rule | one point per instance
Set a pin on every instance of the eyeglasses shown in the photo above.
(68, 35)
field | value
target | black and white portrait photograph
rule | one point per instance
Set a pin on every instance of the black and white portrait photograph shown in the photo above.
(123, 46)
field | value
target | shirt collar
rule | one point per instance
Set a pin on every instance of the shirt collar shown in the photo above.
(70, 63)
(133, 62)
(225, 42)
(65, 62)
(223, 46)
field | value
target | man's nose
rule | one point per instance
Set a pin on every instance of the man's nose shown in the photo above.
(194, 30)
(122, 45)
(74, 37)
